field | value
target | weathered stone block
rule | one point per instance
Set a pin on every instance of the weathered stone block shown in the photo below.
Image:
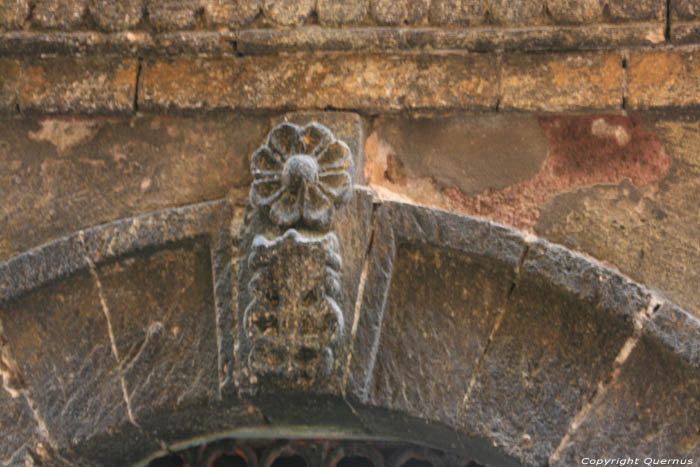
(562, 82)
(396, 12)
(637, 10)
(516, 12)
(166, 340)
(18, 429)
(464, 12)
(288, 12)
(369, 82)
(664, 79)
(172, 14)
(77, 85)
(335, 12)
(10, 71)
(60, 340)
(116, 15)
(648, 410)
(98, 170)
(59, 14)
(685, 9)
(13, 13)
(563, 327)
(576, 12)
(232, 13)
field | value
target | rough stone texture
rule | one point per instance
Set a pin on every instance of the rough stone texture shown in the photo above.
(116, 15)
(647, 228)
(685, 9)
(446, 302)
(562, 82)
(13, 13)
(464, 12)
(76, 84)
(631, 417)
(10, 71)
(551, 349)
(312, 82)
(18, 429)
(335, 12)
(516, 12)
(468, 151)
(232, 13)
(395, 12)
(638, 10)
(288, 12)
(59, 14)
(576, 12)
(664, 79)
(165, 339)
(172, 14)
(685, 32)
(61, 175)
(60, 340)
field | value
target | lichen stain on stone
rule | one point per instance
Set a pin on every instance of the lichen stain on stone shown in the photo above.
(584, 150)
(65, 134)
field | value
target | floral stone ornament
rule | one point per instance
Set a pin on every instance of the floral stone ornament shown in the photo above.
(301, 176)
(290, 308)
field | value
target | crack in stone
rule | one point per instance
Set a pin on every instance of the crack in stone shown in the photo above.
(110, 331)
(499, 319)
(640, 320)
(358, 301)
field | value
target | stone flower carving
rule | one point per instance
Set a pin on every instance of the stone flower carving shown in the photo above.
(301, 175)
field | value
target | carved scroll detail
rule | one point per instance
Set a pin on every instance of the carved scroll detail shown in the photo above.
(290, 293)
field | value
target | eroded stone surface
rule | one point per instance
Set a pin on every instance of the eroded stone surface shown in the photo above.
(312, 82)
(232, 13)
(577, 12)
(60, 340)
(562, 82)
(60, 14)
(466, 12)
(166, 338)
(446, 302)
(172, 14)
(116, 15)
(551, 349)
(516, 12)
(336, 12)
(77, 85)
(13, 13)
(396, 12)
(18, 429)
(640, 10)
(647, 408)
(61, 175)
(685, 9)
(664, 79)
(288, 12)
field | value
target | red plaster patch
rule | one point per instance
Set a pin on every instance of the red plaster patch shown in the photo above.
(584, 150)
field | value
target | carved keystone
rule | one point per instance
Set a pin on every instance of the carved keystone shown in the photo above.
(290, 294)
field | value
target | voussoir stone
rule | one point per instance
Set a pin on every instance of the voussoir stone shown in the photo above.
(116, 15)
(288, 12)
(59, 14)
(639, 10)
(576, 12)
(341, 12)
(515, 12)
(464, 12)
(399, 12)
(233, 13)
(172, 14)
(13, 13)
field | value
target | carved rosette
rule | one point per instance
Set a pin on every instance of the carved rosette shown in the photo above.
(290, 294)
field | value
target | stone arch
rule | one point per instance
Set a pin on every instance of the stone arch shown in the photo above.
(119, 341)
